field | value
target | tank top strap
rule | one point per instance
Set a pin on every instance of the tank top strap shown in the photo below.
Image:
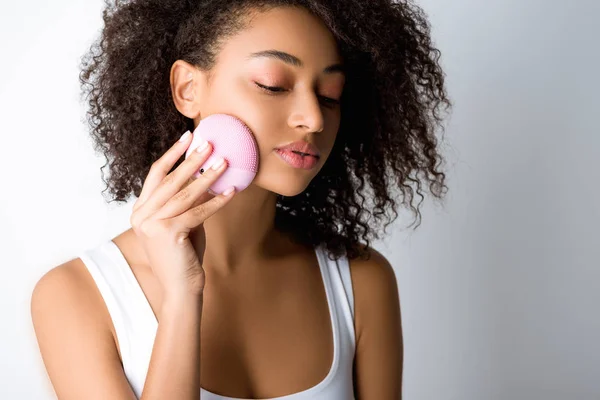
(109, 282)
(341, 282)
(134, 322)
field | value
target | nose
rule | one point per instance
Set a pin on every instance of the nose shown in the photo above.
(307, 114)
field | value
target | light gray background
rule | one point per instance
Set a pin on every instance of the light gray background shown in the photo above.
(499, 288)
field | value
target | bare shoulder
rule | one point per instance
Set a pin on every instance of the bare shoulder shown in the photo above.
(66, 301)
(71, 325)
(67, 289)
(59, 284)
(68, 273)
(373, 273)
(375, 288)
(379, 343)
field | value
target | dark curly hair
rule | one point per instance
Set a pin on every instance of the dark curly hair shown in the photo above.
(391, 105)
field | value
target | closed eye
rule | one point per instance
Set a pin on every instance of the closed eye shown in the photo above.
(270, 88)
(273, 89)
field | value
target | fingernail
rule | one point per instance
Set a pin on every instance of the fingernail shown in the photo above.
(218, 163)
(184, 136)
(202, 147)
(229, 191)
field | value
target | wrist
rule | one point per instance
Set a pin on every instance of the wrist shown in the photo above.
(184, 289)
(178, 301)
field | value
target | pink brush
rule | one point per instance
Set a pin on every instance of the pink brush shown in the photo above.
(232, 140)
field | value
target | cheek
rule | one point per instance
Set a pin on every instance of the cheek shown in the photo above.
(332, 137)
(268, 126)
(261, 118)
(268, 131)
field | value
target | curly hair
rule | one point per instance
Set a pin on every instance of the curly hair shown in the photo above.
(391, 105)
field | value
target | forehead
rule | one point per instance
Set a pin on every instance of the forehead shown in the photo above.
(293, 30)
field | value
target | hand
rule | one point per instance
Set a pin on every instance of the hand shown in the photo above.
(169, 207)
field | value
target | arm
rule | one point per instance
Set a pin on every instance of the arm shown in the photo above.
(174, 371)
(76, 344)
(379, 343)
(72, 327)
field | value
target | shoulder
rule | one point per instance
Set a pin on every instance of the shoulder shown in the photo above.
(64, 283)
(375, 273)
(65, 300)
(59, 283)
(375, 291)
(73, 332)
(377, 322)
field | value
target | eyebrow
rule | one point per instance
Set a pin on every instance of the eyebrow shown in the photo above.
(294, 61)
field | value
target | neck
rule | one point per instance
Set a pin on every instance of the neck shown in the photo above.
(242, 230)
(239, 236)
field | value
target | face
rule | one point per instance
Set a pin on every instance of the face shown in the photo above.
(280, 101)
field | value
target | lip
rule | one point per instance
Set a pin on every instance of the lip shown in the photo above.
(296, 160)
(302, 147)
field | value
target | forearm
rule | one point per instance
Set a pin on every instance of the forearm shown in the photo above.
(174, 370)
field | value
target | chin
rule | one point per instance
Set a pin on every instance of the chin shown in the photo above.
(279, 178)
(283, 185)
(288, 188)
(290, 192)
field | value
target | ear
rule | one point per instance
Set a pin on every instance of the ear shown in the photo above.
(187, 87)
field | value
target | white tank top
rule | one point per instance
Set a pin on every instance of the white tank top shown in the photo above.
(136, 325)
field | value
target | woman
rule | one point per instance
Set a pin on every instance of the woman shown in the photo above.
(265, 293)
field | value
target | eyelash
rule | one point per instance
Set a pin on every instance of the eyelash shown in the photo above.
(273, 90)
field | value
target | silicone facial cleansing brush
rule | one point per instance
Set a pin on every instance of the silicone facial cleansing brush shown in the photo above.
(234, 141)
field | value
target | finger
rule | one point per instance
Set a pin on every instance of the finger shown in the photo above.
(197, 215)
(203, 198)
(161, 167)
(188, 196)
(173, 182)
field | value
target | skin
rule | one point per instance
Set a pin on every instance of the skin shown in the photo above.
(245, 280)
